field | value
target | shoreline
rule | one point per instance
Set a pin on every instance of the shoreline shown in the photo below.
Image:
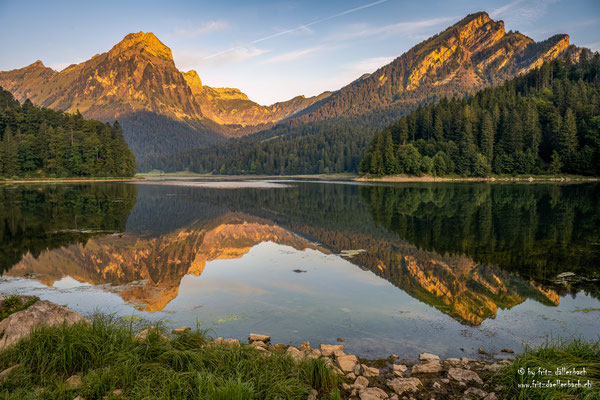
(70, 180)
(427, 178)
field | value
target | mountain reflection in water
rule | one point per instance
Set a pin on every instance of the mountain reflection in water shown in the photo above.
(465, 249)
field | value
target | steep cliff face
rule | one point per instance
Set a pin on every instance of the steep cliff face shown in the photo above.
(473, 53)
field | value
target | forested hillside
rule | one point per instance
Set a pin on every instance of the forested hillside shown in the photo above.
(546, 121)
(40, 142)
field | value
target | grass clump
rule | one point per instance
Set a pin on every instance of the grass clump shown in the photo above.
(107, 355)
(521, 379)
(13, 304)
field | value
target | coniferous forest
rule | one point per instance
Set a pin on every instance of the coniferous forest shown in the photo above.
(546, 121)
(40, 142)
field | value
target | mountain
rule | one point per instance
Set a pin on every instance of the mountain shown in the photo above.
(474, 53)
(162, 110)
(471, 54)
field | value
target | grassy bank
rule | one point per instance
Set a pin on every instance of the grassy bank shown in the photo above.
(459, 178)
(107, 356)
(561, 363)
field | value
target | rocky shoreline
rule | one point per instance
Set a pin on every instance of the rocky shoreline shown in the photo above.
(393, 378)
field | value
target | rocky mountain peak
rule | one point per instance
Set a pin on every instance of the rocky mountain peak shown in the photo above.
(142, 43)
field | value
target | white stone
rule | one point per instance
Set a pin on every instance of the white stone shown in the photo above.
(372, 394)
(332, 349)
(428, 357)
(254, 337)
(464, 376)
(475, 392)
(428, 367)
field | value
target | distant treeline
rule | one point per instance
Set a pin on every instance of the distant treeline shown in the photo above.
(546, 121)
(40, 142)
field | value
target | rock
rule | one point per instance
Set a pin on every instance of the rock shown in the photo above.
(357, 370)
(78, 398)
(404, 385)
(312, 353)
(340, 340)
(431, 367)
(218, 341)
(347, 363)
(452, 362)
(313, 395)
(481, 351)
(464, 376)
(445, 380)
(4, 374)
(258, 344)
(328, 350)
(181, 330)
(475, 392)
(494, 367)
(436, 385)
(19, 325)
(231, 342)
(351, 376)
(255, 337)
(74, 382)
(372, 394)
(399, 369)
(305, 346)
(394, 397)
(347, 386)
(279, 347)
(507, 351)
(294, 353)
(491, 396)
(369, 372)
(117, 392)
(144, 334)
(361, 382)
(428, 357)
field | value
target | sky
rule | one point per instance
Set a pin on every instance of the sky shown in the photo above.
(271, 50)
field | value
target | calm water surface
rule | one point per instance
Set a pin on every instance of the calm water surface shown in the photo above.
(405, 268)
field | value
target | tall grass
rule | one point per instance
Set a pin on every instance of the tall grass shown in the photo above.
(107, 356)
(554, 354)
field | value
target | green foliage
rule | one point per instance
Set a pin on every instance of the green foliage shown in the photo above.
(39, 142)
(107, 356)
(575, 354)
(526, 126)
(13, 304)
(33, 219)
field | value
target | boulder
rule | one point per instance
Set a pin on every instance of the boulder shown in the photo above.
(369, 372)
(361, 382)
(347, 363)
(430, 367)
(404, 385)
(464, 376)
(255, 337)
(491, 396)
(312, 353)
(294, 353)
(428, 357)
(218, 341)
(399, 369)
(329, 349)
(475, 392)
(19, 325)
(258, 344)
(143, 335)
(231, 342)
(305, 346)
(452, 362)
(372, 394)
(181, 330)
(313, 394)
(279, 347)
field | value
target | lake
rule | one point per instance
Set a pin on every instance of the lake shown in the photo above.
(446, 268)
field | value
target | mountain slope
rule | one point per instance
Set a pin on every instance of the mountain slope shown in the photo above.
(473, 53)
(162, 110)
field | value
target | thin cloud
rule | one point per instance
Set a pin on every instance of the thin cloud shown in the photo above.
(293, 55)
(502, 10)
(203, 29)
(188, 60)
(301, 27)
(409, 27)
